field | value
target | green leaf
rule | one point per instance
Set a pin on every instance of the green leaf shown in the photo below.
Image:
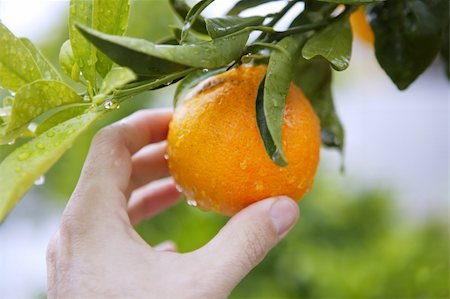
(276, 87)
(34, 99)
(47, 70)
(314, 79)
(110, 16)
(182, 9)
(17, 65)
(407, 38)
(246, 4)
(67, 62)
(192, 16)
(82, 11)
(192, 80)
(116, 78)
(60, 116)
(334, 43)
(218, 27)
(190, 38)
(208, 54)
(27, 163)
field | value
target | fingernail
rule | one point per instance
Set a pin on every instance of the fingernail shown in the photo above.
(284, 213)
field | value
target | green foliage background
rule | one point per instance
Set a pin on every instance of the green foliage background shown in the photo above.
(346, 245)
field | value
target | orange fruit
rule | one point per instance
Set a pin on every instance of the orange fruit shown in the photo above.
(361, 27)
(215, 152)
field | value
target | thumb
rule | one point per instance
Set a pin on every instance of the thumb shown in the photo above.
(246, 239)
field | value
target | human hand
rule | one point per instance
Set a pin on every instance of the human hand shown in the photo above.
(97, 253)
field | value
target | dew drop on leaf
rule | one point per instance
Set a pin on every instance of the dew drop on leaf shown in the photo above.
(40, 181)
(191, 202)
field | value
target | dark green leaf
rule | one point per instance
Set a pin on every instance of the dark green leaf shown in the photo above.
(182, 9)
(209, 54)
(407, 38)
(47, 70)
(246, 4)
(192, 80)
(277, 82)
(190, 37)
(314, 79)
(218, 27)
(27, 163)
(17, 65)
(334, 43)
(192, 16)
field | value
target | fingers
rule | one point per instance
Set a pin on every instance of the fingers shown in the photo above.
(152, 199)
(245, 240)
(108, 166)
(147, 165)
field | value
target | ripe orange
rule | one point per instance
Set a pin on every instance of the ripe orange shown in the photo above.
(216, 154)
(361, 27)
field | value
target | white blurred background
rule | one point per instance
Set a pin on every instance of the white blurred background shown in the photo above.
(397, 141)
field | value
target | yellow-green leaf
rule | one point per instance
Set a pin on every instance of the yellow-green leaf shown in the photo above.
(116, 78)
(47, 70)
(27, 163)
(35, 99)
(110, 16)
(17, 66)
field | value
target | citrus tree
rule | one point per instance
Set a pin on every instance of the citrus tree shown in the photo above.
(104, 68)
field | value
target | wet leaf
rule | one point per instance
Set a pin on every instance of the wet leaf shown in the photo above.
(218, 27)
(60, 116)
(182, 9)
(67, 62)
(47, 70)
(116, 78)
(209, 54)
(17, 65)
(277, 82)
(192, 16)
(334, 43)
(34, 99)
(81, 11)
(27, 163)
(314, 78)
(407, 37)
(110, 16)
(192, 80)
(190, 38)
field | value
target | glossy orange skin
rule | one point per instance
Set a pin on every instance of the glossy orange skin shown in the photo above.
(361, 27)
(216, 154)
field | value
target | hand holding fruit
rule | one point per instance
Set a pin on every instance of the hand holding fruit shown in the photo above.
(97, 253)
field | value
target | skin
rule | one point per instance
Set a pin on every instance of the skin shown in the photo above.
(96, 253)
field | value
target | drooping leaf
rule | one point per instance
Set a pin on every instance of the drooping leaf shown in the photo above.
(17, 65)
(246, 4)
(192, 80)
(407, 38)
(334, 43)
(81, 11)
(47, 70)
(182, 9)
(261, 121)
(209, 54)
(67, 62)
(276, 87)
(27, 163)
(314, 79)
(34, 99)
(110, 16)
(116, 78)
(192, 16)
(218, 27)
